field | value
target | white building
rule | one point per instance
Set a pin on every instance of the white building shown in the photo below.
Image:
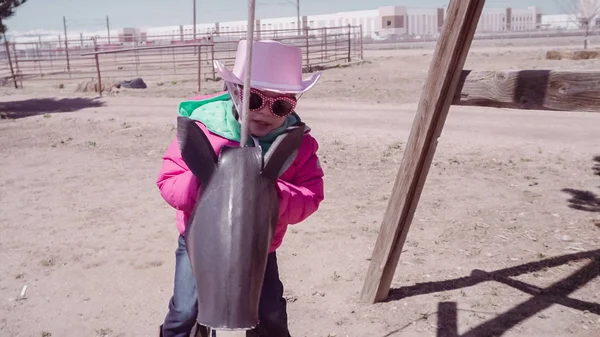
(379, 23)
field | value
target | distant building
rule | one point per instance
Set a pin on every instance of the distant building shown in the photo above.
(379, 24)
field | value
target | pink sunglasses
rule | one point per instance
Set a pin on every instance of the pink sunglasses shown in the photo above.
(279, 106)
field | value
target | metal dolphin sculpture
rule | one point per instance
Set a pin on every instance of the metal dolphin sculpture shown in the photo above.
(231, 228)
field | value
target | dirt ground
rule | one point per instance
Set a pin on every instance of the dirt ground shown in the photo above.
(505, 240)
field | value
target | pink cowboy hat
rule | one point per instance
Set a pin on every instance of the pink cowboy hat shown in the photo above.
(275, 67)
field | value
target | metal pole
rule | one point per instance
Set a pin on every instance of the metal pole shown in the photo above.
(199, 68)
(212, 50)
(98, 67)
(308, 67)
(194, 20)
(349, 43)
(67, 46)
(298, 16)
(108, 29)
(39, 58)
(361, 44)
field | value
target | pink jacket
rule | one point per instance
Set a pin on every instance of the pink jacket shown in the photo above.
(300, 188)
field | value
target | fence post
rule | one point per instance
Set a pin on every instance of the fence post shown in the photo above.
(199, 67)
(39, 56)
(349, 43)
(212, 49)
(14, 45)
(67, 46)
(307, 49)
(98, 67)
(10, 63)
(326, 43)
(361, 44)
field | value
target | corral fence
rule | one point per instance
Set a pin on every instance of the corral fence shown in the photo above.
(166, 56)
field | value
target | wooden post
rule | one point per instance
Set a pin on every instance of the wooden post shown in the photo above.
(438, 93)
(98, 67)
(12, 71)
(19, 74)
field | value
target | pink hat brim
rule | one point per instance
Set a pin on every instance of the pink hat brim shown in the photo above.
(306, 85)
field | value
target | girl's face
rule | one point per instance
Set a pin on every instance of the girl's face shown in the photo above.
(268, 111)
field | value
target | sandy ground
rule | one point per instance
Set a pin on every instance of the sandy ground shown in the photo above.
(504, 242)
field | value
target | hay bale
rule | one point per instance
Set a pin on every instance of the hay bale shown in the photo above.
(572, 54)
(92, 86)
(585, 54)
(553, 55)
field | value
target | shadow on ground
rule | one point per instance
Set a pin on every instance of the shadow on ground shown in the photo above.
(41, 106)
(541, 299)
(585, 200)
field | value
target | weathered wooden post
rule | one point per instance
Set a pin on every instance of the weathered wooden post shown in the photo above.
(12, 71)
(18, 71)
(438, 92)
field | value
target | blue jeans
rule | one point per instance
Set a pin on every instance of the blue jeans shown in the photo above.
(183, 306)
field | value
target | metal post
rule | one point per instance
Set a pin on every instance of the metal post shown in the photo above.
(98, 67)
(212, 50)
(174, 67)
(67, 46)
(195, 22)
(326, 43)
(349, 43)
(307, 49)
(361, 44)
(39, 57)
(108, 29)
(199, 68)
(298, 16)
(10, 63)
(136, 55)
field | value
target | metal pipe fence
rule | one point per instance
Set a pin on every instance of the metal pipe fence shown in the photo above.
(166, 55)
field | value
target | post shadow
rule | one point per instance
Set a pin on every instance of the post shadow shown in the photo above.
(40, 106)
(542, 298)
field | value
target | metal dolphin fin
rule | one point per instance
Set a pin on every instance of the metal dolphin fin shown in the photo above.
(196, 150)
(282, 152)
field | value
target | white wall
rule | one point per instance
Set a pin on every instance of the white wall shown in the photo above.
(422, 21)
(492, 20)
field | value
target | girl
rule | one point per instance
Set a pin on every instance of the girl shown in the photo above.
(276, 79)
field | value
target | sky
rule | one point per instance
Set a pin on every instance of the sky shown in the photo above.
(91, 15)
